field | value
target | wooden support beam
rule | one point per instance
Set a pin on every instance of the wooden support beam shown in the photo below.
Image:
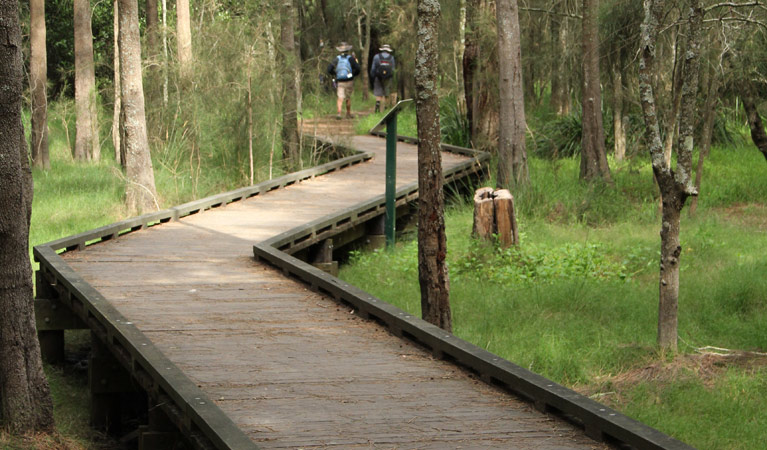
(107, 380)
(323, 258)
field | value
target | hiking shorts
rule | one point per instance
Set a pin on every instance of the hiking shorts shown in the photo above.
(381, 87)
(345, 89)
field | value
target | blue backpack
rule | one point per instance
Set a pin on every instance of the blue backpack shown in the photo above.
(344, 68)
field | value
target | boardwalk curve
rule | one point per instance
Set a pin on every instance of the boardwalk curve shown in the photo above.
(240, 352)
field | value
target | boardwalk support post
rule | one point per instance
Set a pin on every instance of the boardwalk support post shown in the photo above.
(376, 233)
(107, 380)
(323, 258)
(52, 319)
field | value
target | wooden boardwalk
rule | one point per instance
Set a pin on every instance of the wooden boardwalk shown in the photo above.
(293, 368)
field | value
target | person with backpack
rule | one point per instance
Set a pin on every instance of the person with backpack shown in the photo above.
(382, 72)
(344, 68)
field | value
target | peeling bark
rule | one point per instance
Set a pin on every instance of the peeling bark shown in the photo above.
(432, 242)
(512, 155)
(675, 185)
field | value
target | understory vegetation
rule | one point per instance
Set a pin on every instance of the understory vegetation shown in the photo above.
(577, 300)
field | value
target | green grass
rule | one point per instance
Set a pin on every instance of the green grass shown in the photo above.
(577, 302)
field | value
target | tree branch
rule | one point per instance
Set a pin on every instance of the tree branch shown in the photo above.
(732, 5)
(547, 11)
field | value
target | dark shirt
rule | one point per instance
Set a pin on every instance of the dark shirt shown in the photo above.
(354, 63)
(377, 61)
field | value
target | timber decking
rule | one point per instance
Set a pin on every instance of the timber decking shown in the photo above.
(293, 368)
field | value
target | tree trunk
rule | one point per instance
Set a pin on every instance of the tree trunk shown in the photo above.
(619, 130)
(117, 127)
(288, 60)
(593, 156)
(152, 29)
(672, 121)
(38, 78)
(366, 51)
(184, 38)
(87, 144)
(754, 119)
(470, 56)
(140, 193)
(512, 155)
(432, 242)
(675, 185)
(25, 400)
(164, 53)
(709, 115)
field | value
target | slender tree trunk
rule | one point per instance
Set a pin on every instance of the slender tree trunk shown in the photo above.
(560, 81)
(432, 242)
(38, 78)
(470, 56)
(512, 155)
(288, 60)
(366, 51)
(672, 121)
(593, 155)
(184, 38)
(619, 131)
(25, 400)
(140, 193)
(164, 53)
(152, 29)
(675, 185)
(117, 111)
(87, 144)
(709, 115)
(754, 119)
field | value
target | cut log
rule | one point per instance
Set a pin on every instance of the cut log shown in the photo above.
(484, 225)
(505, 218)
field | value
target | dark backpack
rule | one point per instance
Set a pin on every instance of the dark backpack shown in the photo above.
(344, 68)
(385, 69)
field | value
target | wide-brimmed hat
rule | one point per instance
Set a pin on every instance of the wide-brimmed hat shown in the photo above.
(386, 48)
(344, 47)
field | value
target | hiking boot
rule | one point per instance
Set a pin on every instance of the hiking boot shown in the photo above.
(349, 116)
(338, 116)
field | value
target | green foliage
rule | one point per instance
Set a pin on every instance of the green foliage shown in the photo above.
(453, 122)
(577, 301)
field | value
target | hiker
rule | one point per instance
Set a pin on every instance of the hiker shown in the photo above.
(382, 72)
(344, 68)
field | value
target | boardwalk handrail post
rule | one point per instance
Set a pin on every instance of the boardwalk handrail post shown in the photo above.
(390, 119)
(391, 179)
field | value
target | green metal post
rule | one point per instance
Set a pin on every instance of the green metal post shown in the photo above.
(391, 178)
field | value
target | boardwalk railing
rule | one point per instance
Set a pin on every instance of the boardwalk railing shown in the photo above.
(65, 300)
(202, 423)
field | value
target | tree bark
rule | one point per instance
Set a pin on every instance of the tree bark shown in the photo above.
(152, 29)
(184, 38)
(117, 128)
(87, 144)
(619, 131)
(755, 124)
(560, 86)
(366, 51)
(675, 185)
(288, 60)
(593, 154)
(140, 193)
(38, 78)
(25, 400)
(432, 242)
(512, 155)
(470, 56)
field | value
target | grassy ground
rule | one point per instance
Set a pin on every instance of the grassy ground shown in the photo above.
(578, 301)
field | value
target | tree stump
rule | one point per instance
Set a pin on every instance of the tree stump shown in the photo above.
(494, 214)
(484, 211)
